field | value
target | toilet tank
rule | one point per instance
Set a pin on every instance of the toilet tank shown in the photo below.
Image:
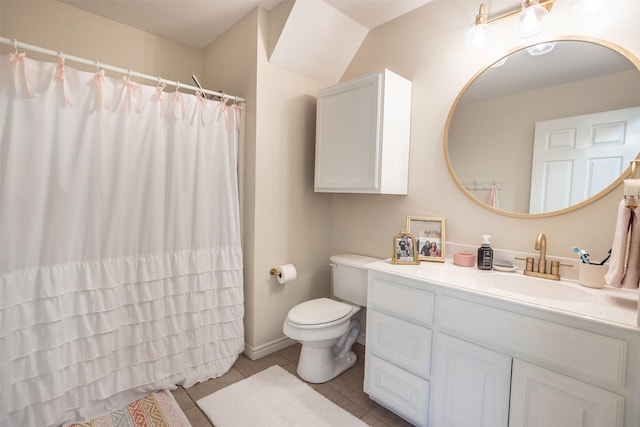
(350, 277)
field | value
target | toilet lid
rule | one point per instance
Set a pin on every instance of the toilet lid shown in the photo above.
(318, 311)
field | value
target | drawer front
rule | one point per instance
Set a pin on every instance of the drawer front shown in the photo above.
(582, 354)
(403, 393)
(405, 344)
(414, 305)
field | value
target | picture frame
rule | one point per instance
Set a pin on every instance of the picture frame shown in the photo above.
(429, 234)
(405, 249)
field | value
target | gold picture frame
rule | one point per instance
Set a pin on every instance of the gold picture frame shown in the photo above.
(405, 249)
(429, 234)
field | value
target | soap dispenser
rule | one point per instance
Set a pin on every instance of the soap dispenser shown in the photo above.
(485, 254)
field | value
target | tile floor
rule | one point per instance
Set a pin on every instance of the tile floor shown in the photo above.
(344, 390)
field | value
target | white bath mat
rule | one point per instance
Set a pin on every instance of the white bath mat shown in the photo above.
(273, 398)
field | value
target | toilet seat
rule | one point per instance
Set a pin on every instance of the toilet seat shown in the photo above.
(318, 312)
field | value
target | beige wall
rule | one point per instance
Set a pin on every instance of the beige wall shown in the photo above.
(427, 47)
(60, 27)
(291, 222)
(284, 220)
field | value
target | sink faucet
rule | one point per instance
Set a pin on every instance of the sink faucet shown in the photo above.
(541, 245)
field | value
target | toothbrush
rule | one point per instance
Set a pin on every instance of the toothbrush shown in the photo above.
(583, 254)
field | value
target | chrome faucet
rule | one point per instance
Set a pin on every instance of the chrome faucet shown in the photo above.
(541, 245)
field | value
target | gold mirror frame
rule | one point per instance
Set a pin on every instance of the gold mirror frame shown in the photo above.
(624, 52)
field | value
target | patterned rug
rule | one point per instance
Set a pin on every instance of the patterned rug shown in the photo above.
(159, 409)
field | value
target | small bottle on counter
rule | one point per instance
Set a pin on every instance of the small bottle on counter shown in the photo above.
(485, 254)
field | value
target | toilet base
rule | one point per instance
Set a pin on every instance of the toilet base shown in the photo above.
(312, 358)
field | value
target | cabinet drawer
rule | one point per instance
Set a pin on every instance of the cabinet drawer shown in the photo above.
(582, 354)
(403, 393)
(406, 344)
(415, 305)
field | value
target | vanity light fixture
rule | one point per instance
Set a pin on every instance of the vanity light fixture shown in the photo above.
(478, 35)
(531, 17)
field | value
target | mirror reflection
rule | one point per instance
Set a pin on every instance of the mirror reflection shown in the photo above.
(550, 128)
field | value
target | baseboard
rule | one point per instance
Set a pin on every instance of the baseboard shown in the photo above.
(255, 353)
(263, 350)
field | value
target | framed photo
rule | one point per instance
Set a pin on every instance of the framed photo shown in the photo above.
(405, 249)
(429, 232)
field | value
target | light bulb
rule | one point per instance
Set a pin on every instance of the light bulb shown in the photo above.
(531, 19)
(478, 36)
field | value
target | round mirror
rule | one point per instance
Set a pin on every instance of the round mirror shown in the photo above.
(547, 129)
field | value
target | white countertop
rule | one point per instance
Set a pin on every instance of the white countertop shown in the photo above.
(613, 306)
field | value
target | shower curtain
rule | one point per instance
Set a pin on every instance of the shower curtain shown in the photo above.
(120, 255)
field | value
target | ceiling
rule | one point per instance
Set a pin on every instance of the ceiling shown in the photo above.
(197, 23)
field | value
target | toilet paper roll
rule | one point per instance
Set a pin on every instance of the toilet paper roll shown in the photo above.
(287, 273)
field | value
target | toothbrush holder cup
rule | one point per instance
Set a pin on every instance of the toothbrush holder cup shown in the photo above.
(592, 275)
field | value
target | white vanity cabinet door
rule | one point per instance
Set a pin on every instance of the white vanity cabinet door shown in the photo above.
(362, 135)
(470, 385)
(542, 398)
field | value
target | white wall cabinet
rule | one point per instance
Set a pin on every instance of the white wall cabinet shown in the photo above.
(362, 135)
(447, 358)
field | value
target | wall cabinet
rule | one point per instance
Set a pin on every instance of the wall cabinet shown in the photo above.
(438, 357)
(362, 135)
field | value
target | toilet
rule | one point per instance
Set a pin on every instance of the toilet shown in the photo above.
(328, 328)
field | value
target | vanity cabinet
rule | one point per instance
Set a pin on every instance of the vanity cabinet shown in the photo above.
(362, 135)
(438, 356)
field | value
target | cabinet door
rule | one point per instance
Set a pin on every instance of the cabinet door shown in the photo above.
(470, 385)
(542, 398)
(348, 136)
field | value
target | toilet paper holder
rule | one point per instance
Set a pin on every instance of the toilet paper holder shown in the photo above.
(275, 272)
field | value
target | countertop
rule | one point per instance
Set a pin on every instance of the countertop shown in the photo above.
(612, 306)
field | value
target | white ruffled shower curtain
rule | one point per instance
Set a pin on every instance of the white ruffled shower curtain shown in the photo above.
(120, 254)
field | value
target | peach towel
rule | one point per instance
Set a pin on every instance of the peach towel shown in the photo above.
(632, 274)
(619, 248)
(493, 197)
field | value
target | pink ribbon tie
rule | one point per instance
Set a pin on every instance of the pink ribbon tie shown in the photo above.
(18, 58)
(160, 95)
(238, 108)
(100, 103)
(60, 78)
(129, 90)
(222, 109)
(201, 105)
(178, 105)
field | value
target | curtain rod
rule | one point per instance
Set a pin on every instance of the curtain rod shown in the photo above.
(16, 44)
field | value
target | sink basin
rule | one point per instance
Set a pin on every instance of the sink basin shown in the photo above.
(534, 287)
